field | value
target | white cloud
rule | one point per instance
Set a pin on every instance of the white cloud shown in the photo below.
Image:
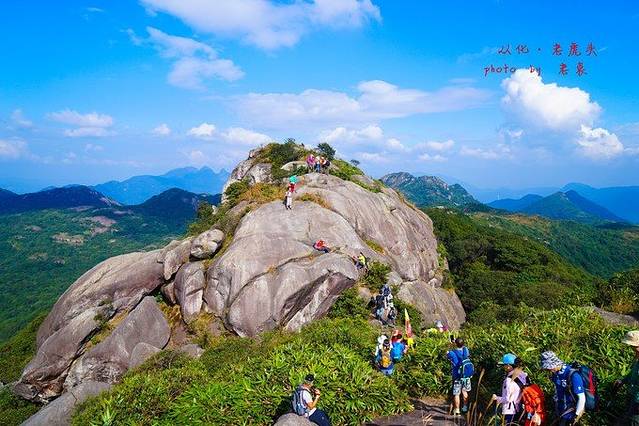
(342, 134)
(395, 144)
(535, 104)
(11, 149)
(377, 100)
(428, 157)
(267, 24)
(238, 135)
(91, 124)
(203, 131)
(94, 10)
(197, 157)
(162, 130)
(83, 132)
(18, 118)
(481, 153)
(440, 146)
(194, 61)
(374, 157)
(74, 118)
(599, 144)
(93, 148)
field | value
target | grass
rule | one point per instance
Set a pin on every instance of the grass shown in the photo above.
(239, 379)
(315, 198)
(374, 246)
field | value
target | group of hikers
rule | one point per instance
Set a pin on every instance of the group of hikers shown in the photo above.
(384, 308)
(520, 401)
(318, 164)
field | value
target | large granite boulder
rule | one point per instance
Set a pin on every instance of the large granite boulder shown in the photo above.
(250, 170)
(59, 412)
(433, 302)
(176, 257)
(110, 359)
(189, 288)
(292, 419)
(207, 243)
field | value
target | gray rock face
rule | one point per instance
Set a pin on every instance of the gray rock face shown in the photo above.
(250, 170)
(43, 377)
(120, 282)
(289, 167)
(280, 267)
(176, 257)
(141, 352)
(192, 350)
(292, 419)
(207, 243)
(168, 291)
(59, 412)
(434, 302)
(110, 359)
(189, 288)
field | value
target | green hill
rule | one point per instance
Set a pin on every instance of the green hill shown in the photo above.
(600, 250)
(44, 251)
(429, 191)
(571, 206)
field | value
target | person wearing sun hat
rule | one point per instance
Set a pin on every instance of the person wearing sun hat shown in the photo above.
(632, 379)
(510, 399)
(570, 396)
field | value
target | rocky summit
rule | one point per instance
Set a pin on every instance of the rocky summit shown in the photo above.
(261, 275)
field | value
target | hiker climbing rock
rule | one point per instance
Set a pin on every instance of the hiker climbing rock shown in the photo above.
(632, 380)
(462, 372)
(304, 402)
(320, 245)
(570, 398)
(361, 262)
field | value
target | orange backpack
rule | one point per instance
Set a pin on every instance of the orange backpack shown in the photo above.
(533, 400)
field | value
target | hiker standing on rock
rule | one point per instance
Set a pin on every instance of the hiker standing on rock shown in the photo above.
(305, 399)
(462, 372)
(570, 397)
(511, 390)
(289, 199)
(310, 162)
(632, 380)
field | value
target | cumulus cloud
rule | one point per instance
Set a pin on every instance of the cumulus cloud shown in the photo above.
(241, 136)
(440, 146)
(90, 124)
(437, 157)
(599, 144)
(536, 104)
(162, 130)
(203, 131)
(496, 153)
(342, 134)
(193, 61)
(267, 24)
(19, 120)
(74, 118)
(377, 100)
(197, 157)
(11, 149)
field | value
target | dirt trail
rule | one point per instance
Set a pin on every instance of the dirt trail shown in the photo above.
(427, 412)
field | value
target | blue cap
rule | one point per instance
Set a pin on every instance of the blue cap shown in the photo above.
(508, 359)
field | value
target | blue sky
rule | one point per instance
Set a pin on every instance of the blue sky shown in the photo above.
(98, 90)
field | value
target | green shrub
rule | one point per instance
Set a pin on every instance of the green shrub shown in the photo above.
(326, 150)
(235, 191)
(415, 315)
(15, 410)
(376, 247)
(349, 305)
(376, 275)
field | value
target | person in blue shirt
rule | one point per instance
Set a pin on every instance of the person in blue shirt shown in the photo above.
(398, 347)
(570, 397)
(461, 385)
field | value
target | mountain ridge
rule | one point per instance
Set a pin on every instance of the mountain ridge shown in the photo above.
(429, 191)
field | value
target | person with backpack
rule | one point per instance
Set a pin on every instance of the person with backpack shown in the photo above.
(632, 379)
(570, 396)
(320, 245)
(304, 402)
(384, 359)
(511, 389)
(398, 348)
(360, 261)
(462, 372)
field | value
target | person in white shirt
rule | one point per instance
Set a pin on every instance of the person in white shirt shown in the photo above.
(510, 399)
(310, 397)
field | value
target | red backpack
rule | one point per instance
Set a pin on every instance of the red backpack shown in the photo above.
(533, 401)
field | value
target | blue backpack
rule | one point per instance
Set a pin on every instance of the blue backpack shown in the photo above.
(397, 351)
(299, 407)
(590, 380)
(465, 367)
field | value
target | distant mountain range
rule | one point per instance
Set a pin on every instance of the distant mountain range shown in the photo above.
(56, 198)
(138, 189)
(568, 205)
(623, 201)
(429, 191)
(174, 205)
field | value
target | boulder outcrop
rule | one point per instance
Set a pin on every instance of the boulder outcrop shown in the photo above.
(267, 276)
